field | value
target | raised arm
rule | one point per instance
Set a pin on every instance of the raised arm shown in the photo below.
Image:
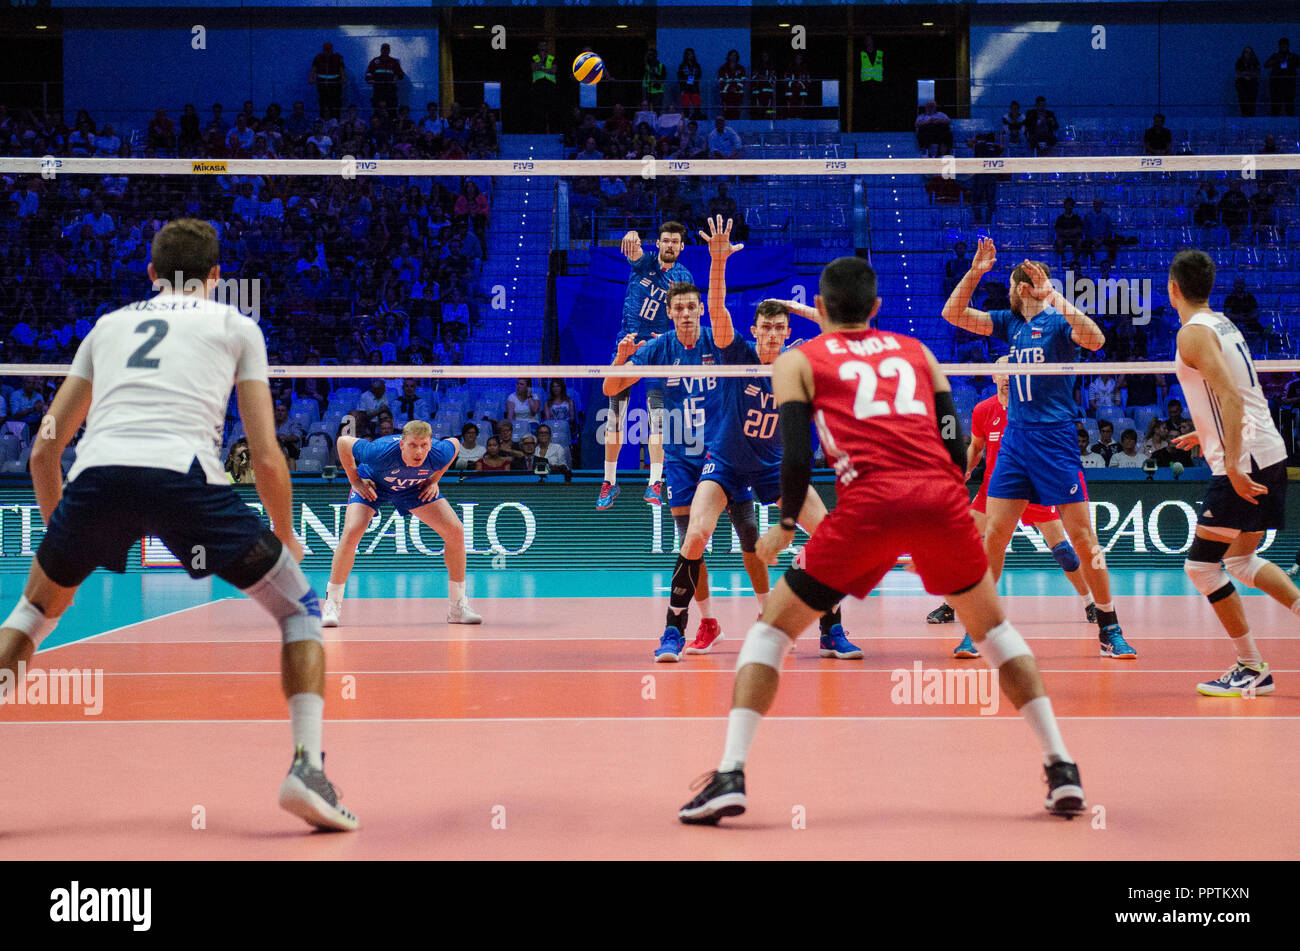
(631, 247)
(957, 311)
(1083, 329)
(720, 248)
(615, 385)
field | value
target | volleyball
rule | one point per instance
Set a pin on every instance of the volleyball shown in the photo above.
(588, 68)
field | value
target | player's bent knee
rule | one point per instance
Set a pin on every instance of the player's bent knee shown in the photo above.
(820, 597)
(1210, 579)
(742, 519)
(268, 574)
(32, 621)
(1245, 568)
(683, 523)
(1066, 556)
(694, 543)
(764, 644)
(1003, 643)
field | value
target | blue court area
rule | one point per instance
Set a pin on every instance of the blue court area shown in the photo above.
(107, 602)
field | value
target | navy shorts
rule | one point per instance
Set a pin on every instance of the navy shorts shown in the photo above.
(107, 509)
(406, 501)
(682, 473)
(1224, 508)
(764, 485)
(1039, 465)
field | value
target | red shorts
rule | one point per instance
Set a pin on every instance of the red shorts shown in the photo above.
(691, 99)
(1034, 514)
(862, 538)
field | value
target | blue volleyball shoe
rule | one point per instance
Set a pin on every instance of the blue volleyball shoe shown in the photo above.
(670, 646)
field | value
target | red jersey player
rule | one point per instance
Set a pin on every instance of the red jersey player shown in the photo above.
(886, 418)
(988, 421)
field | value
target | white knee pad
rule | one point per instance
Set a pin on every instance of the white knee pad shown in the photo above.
(764, 644)
(656, 424)
(32, 621)
(1003, 643)
(285, 592)
(1245, 567)
(1209, 579)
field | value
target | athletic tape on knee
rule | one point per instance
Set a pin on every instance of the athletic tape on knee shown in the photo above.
(1066, 556)
(1209, 578)
(764, 644)
(683, 522)
(746, 525)
(285, 592)
(1003, 643)
(1245, 567)
(657, 423)
(32, 621)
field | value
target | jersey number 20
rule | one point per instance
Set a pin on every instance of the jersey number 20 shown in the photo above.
(865, 404)
(759, 424)
(141, 358)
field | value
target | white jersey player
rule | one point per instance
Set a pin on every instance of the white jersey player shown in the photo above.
(151, 381)
(1247, 457)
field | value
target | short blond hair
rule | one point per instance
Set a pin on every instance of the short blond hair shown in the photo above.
(417, 428)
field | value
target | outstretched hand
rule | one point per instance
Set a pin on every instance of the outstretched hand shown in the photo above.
(719, 238)
(986, 255)
(1041, 289)
(628, 346)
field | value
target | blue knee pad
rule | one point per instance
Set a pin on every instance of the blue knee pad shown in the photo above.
(746, 525)
(1066, 556)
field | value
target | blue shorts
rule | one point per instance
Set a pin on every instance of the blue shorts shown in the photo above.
(1039, 465)
(682, 475)
(106, 509)
(406, 501)
(762, 484)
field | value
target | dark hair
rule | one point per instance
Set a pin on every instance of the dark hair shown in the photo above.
(770, 308)
(680, 288)
(1018, 275)
(185, 249)
(673, 227)
(1129, 434)
(848, 290)
(1193, 271)
(1105, 424)
(467, 427)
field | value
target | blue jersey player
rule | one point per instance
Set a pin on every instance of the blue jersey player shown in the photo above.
(1039, 459)
(403, 470)
(645, 316)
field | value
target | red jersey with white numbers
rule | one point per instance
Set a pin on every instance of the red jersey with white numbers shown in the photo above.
(873, 404)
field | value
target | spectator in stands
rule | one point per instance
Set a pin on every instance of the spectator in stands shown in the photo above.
(1087, 458)
(984, 188)
(590, 153)
(521, 405)
(472, 207)
(1175, 418)
(933, 130)
(1158, 140)
(1206, 214)
(470, 450)
(1242, 309)
(1041, 126)
(1013, 125)
(1140, 389)
(1281, 68)
(100, 221)
(643, 142)
(28, 404)
(383, 74)
(556, 456)
(107, 143)
(449, 351)
(373, 400)
(689, 74)
(559, 407)
(1186, 457)
(724, 141)
(1128, 456)
(722, 204)
(161, 133)
(239, 468)
(542, 73)
(29, 200)
(1263, 214)
(433, 124)
(384, 424)
(1247, 80)
(298, 125)
(1157, 437)
(1104, 395)
(1234, 210)
(319, 145)
(287, 429)
(692, 143)
(1099, 231)
(797, 82)
(955, 268)
(1069, 233)
(654, 75)
(525, 457)
(1105, 446)
(764, 86)
(493, 460)
(482, 138)
(731, 85)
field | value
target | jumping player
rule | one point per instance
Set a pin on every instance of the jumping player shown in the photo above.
(403, 470)
(743, 460)
(686, 411)
(1247, 456)
(152, 381)
(644, 318)
(987, 423)
(886, 417)
(1039, 459)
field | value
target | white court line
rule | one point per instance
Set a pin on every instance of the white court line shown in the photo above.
(89, 637)
(506, 638)
(730, 671)
(972, 718)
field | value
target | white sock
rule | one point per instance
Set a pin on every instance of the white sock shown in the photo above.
(1108, 606)
(656, 472)
(611, 472)
(706, 607)
(456, 591)
(762, 599)
(334, 592)
(1038, 713)
(742, 724)
(305, 712)
(1087, 598)
(1247, 652)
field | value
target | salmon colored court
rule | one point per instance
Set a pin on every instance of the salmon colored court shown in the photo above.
(550, 733)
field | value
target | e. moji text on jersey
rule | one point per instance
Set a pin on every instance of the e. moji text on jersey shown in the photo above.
(244, 295)
(863, 348)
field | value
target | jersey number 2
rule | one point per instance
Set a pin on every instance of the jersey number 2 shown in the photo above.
(141, 358)
(865, 404)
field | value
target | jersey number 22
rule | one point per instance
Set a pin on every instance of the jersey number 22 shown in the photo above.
(865, 404)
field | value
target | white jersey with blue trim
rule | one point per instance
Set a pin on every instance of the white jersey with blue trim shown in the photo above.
(1260, 440)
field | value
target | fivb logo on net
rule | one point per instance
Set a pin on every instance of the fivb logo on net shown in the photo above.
(1108, 296)
(245, 295)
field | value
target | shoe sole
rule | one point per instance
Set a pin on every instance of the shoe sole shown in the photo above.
(932, 620)
(965, 655)
(841, 655)
(667, 658)
(703, 650)
(731, 804)
(332, 622)
(1066, 801)
(1259, 691)
(454, 621)
(1106, 653)
(296, 798)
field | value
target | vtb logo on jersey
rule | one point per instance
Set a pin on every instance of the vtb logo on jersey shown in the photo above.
(751, 390)
(1029, 354)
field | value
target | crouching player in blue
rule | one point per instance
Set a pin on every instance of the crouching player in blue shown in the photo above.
(403, 470)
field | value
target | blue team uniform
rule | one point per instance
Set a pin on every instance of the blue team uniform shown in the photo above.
(1039, 458)
(645, 311)
(744, 447)
(690, 402)
(380, 461)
